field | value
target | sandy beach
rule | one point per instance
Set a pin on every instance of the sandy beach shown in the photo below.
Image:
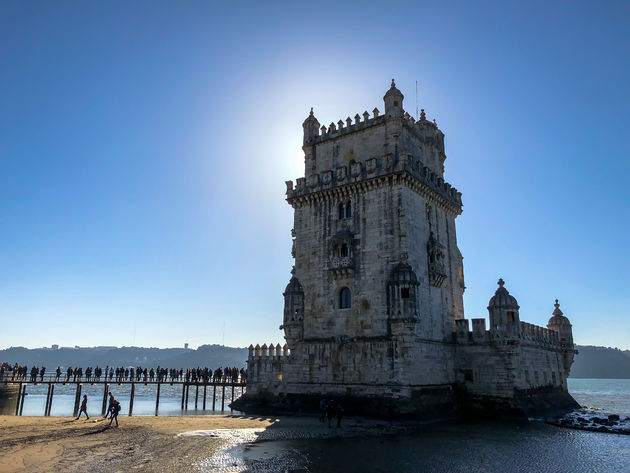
(143, 444)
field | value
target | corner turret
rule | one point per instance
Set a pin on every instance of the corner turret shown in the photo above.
(503, 311)
(293, 323)
(394, 102)
(561, 324)
(311, 128)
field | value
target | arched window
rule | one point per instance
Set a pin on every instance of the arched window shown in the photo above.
(344, 298)
(349, 210)
(344, 250)
(342, 212)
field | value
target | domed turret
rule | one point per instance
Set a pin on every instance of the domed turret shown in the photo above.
(394, 102)
(293, 311)
(561, 324)
(503, 310)
(311, 128)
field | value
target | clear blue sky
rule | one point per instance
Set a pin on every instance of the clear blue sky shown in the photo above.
(144, 148)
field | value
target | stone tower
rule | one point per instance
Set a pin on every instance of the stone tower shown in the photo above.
(373, 311)
(374, 226)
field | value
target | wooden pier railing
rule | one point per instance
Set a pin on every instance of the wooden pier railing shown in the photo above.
(52, 380)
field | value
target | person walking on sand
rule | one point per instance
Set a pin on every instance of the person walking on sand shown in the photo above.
(115, 410)
(110, 405)
(83, 407)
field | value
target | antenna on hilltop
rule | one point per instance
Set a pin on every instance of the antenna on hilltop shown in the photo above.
(417, 116)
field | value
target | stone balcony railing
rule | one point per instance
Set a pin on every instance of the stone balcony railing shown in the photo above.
(341, 262)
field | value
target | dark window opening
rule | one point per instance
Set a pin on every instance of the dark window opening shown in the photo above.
(395, 103)
(468, 376)
(344, 250)
(404, 293)
(342, 212)
(349, 210)
(344, 298)
(510, 316)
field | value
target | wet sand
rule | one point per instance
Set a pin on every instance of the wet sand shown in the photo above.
(142, 444)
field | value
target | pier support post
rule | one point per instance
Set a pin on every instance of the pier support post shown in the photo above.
(232, 393)
(103, 410)
(47, 399)
(183, 394)
(22, 397)
(19, 400)
(214, 394)
(157, 399)
(205, 385)
(77, 400)
(187, 392)
(52, 392)
(196, 395)
(223, 398)
(133, 392)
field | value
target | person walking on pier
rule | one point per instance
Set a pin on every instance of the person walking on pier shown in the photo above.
(83, 407)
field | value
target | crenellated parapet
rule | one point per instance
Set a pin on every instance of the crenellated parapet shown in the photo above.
(539, 335)
(530, 334)
(374, 172)
(269, 351)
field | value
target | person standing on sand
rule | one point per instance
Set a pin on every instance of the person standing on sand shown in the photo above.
(115, 410)
(339, 413)
(83, 407)
(110, 405)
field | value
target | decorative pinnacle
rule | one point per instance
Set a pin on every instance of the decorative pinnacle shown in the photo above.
(311, 114)
(423, 115)
(501, 282)
(393, 84)
(556, 305)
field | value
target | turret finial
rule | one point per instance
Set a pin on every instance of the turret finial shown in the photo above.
(423, 115)
(557, 305)
(311, 114)
(393, 84)
(501, 282)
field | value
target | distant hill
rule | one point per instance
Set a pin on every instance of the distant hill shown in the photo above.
(601, 362)
(211, 356)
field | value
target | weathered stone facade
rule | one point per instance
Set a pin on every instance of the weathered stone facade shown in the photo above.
(374, 310)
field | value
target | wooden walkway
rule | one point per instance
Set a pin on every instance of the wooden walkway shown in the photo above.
(52, 381)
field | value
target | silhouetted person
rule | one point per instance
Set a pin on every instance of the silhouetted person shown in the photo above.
(115, 410)
(110, 405)
(339, 412)
(83, 407)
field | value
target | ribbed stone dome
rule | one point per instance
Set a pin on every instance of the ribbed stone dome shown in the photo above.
(558, 319)
(294, 287)
(502, 298)
(393, 91)
(311, 118)
(403, 273)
